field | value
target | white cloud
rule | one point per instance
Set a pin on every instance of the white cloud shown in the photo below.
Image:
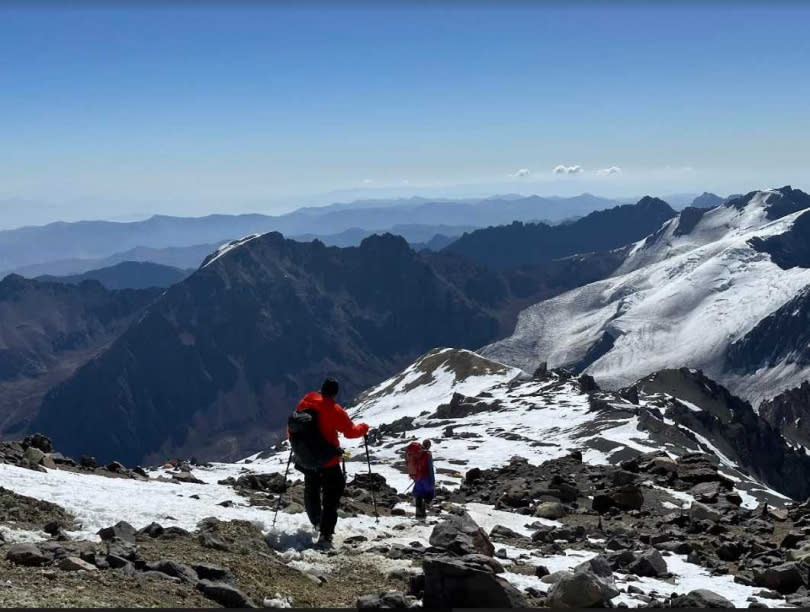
(609, 171)
(523, 172)
(568, 169)
(367, 181)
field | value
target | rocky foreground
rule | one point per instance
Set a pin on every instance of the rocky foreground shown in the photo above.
(560, 534)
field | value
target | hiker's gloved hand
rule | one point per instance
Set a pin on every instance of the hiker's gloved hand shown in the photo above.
(363, 428)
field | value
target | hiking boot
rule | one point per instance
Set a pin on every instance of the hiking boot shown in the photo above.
(324, 541)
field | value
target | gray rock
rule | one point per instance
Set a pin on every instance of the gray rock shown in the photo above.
(582, 589)
(33, 455)
(206, 571)
(650, 564)
(172, 568)
(599, 565)
(701, 598)
(121, 530)
(461, 535)
(152, 530)
(550, 510)
(462, 583)
(74, 564)
(393, 599)
(27, 554)
(702, 512)
(224, 594)
(785, 578)
(503, 533)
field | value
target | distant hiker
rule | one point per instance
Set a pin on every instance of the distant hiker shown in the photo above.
(313, 431)
(419, 462)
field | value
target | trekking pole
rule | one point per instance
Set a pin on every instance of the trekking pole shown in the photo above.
(278, 503)
(413, 482)
(371, 477)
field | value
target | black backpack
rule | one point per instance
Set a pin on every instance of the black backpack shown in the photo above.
(310, 449)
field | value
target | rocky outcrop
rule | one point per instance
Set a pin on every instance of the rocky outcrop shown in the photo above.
(466, 582)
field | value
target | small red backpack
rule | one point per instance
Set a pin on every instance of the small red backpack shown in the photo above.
(416, 461)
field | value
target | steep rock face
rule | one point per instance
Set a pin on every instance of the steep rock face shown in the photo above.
(791, 249)
(789, 412)
(743, 437)
(531, 243)
(47, 331)
(782, 336)
(504, 293)
(215, 366)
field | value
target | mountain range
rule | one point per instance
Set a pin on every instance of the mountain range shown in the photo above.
(27, 246)
(214, 363)
(519, 244)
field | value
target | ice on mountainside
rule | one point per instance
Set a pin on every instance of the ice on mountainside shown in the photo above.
(679, 300)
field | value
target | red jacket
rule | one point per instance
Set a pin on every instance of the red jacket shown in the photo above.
(332, 419)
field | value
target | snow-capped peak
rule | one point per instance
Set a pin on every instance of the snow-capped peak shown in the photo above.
(679, 299)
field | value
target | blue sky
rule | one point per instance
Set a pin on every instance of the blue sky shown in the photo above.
(181, 108)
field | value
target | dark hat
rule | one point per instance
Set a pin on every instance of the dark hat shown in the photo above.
(330, 387)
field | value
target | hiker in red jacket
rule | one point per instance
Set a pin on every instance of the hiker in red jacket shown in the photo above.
(324, 487)
(419, 463)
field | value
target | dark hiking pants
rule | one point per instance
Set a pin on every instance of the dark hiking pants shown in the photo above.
(322, 491)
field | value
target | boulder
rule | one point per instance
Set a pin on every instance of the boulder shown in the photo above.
(550, 510)
(599, 565)
(706, 492)
(662, 466)
(152, 530)
(582, 589)
(461, 535)
(74, 564)
(785, 578)
(452, 582)
(702, 512)
(116, 467)
(33, 455)
(121, 530)
(503, 533)
(393, 599)
(628, 497)
(274, 483)
(88, 463)
(224, 594)
(650, 564)
(174, 569)
(39, 442)
(27, 554)
(472, 475)
(206, 571)
(701, 598)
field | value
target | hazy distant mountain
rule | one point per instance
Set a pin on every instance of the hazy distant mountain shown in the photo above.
(126, 275)
(176, 257)
(707, 200)
(520, 244)
(100, 239)
(414, 234)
